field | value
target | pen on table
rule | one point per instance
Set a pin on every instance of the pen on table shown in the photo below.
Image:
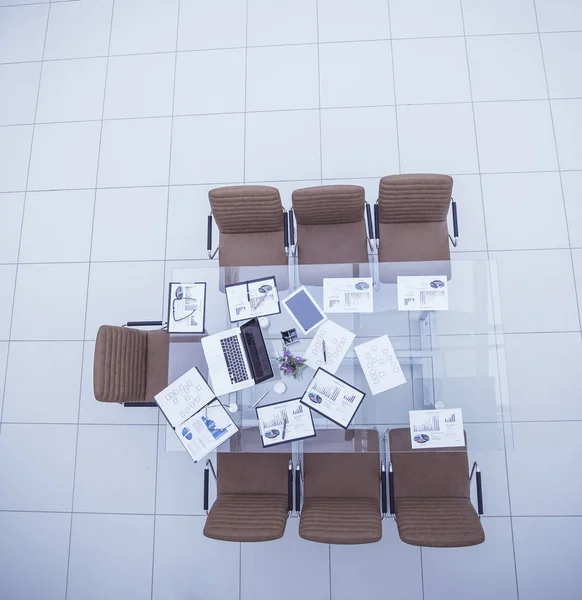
(324, 352)
(260, 399)
(284, 428)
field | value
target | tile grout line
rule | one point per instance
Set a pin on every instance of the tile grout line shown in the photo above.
(87, 297)
(394, 86)
(319, 93)
(22, 221)
(244, 173)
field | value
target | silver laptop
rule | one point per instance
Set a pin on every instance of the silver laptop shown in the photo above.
(237, 358)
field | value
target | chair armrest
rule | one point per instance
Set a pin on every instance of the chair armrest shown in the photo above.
(377, 223)
(477, 471)
(144, 324)
(209, 238)
(207, 468)
(455, 237)
(383, 488)
(292, 231)
(286, 231)
(391, 488)
(298, 488)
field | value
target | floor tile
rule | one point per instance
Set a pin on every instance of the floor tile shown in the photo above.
(181, 567)
(506, 67)
(37, 457)
(130, 224)
(116, 469)
(437, 139)
(43, 382)
(515, 136)
(499, 16)
(3, 362)
(560, 15)
(187, 212)
(180, 481)
(568, 127)
(425, 19)
(541, 480)
(111, 557)
(144, 26)
(349, 20)
(71, 90)
(47, 236)
(109, 302)
(203, 25)
(64, 156)
(560, 55)
(369, 570)
(470, 217)
(577, 261)
(93, 412)
(18, 91)
(542, 371)
(22, 32)
(273, 23)
(11, 211)
(533, 304)
(7, 279)
(40, 539)
(135, 152)
(282, 145)
(221, 157)
(431, 71)
(358, 142)
(264, 564)
(14, 156)
(79, 29)
(282, 77)
(64, 293)
(450, 573)
(220, 73)
(139, 86)
(545, 557)
(572, 186)
(524, 211)
(356, 74)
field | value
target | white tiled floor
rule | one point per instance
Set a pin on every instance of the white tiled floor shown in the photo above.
(118, 116)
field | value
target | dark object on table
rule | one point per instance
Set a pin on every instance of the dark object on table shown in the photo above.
(290, 336)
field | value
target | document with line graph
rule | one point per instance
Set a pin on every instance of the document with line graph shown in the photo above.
(332, 398)
(253, 298)
(442, 428)
(283, 422)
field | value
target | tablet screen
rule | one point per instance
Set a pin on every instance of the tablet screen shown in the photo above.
(304, 310)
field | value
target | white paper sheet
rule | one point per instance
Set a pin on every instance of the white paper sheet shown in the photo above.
(337, 342)
(284, 422)
(206, 430)
(187, 303)
(184, 397)
(348, 295)
(380, 364)
(422, 292)
(442, 428)
(332, 398)
(252, 299)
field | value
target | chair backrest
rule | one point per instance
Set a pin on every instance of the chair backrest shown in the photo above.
(252, 473)
(415, 198)
(247, 209)
(351, 470)
(428, 473)
(120, 364)
(329, 204)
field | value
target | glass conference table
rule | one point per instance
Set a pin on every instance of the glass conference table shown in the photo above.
(450, 358)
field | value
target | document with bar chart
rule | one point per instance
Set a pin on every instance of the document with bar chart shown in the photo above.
(332, 398)
(441, 428)
(283, 422)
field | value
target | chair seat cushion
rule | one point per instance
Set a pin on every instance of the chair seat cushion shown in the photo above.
(247, 517)
(438, 522)
(341, 520)
(413, 242)
(333, 244)
(251, 249)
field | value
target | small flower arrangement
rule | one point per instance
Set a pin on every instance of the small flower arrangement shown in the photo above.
(291, 366)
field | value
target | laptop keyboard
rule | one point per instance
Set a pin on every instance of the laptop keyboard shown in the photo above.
(234, 359)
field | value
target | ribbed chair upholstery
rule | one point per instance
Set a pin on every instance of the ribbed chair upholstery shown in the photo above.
(432, 498)
(130, 365)
(330, 224)
(252, 496)
(342, 489)
(251, 225)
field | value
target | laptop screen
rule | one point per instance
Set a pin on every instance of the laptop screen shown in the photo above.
(256, 350)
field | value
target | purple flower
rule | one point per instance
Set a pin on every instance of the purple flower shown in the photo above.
(286, 353)
(299, 360)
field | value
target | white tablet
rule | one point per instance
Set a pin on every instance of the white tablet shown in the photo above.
(304, 310)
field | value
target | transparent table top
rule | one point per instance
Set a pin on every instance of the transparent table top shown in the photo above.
(454, 358)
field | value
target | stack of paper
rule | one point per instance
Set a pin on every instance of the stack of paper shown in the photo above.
(380, 365)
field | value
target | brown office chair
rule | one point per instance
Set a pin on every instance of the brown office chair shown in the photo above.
(341, 489)
(130, 365)
(252, 225)
(430, 494)
(411, 221)
(254, 492)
